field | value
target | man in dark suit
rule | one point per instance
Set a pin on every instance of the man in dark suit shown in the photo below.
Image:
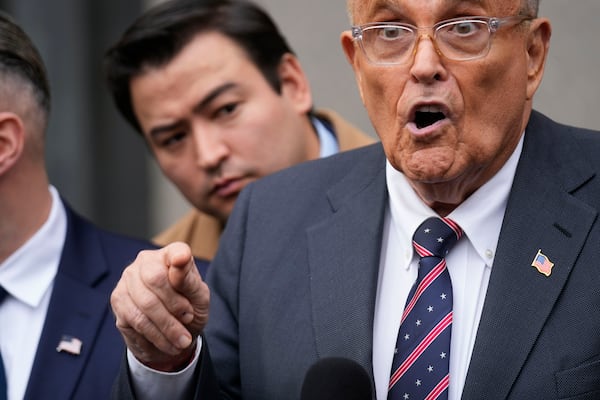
(317, 261)
(57, 334)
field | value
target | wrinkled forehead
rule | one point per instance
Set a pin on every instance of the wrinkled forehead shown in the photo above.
(362, 11)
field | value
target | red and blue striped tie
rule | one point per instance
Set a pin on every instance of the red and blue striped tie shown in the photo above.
(420, 369)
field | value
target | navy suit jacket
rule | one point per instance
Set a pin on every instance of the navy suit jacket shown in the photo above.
(295, 277)
(91, 263)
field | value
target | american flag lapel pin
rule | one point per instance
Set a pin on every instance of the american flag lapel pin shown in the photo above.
(542, 263)
(69, 344)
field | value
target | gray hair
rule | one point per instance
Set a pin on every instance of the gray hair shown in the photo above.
(529, 7)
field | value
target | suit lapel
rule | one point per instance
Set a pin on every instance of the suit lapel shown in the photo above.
(344, 254)
(520, 298)
(75, 309)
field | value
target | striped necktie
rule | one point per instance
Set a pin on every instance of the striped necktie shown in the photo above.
(420, 368)
(3, 387)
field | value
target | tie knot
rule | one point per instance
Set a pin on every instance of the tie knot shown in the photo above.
(436, 236)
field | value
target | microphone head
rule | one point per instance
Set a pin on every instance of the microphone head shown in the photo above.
(336, 378)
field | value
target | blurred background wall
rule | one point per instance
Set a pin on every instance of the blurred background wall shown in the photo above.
(105, 171)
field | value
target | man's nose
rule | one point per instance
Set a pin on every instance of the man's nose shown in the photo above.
(427, 63)
(211, 148)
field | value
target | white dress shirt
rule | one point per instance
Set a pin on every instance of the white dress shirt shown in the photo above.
(328, 144)
(469, 263)
(28, 276)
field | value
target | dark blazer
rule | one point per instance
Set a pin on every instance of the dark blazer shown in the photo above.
(91, 264)
(295, 278)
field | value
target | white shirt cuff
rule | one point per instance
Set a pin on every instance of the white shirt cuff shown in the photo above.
(149, 384)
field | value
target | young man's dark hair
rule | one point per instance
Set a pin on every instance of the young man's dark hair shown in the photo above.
(19, 57)
(157, 37)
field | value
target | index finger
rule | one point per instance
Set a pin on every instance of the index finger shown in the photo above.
(179, 260)
(185, 279)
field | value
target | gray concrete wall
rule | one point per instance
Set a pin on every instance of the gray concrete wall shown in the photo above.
(570, 91)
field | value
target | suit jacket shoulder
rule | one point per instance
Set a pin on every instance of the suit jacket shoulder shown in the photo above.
(537, 337)
(297, 268)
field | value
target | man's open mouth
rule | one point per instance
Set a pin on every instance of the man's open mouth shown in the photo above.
(428, 115)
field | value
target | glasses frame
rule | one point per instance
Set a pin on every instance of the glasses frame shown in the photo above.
(493, 25)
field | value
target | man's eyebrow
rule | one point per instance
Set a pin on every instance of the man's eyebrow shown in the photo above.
(202, 104)
(159, 130)
(212, 95)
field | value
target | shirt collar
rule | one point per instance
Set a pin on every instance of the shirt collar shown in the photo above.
(327, 140)
(480, 216)
(29, 272)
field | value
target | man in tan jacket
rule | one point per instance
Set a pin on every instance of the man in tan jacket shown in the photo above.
(221, 100)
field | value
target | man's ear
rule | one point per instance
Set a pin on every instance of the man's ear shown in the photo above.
(538, 44)
(294, 83)
(350, 50)
(12, 140)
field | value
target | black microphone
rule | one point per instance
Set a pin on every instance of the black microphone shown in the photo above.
(336, 378)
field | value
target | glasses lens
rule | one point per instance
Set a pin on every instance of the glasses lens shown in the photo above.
(463, 40)
(387, 44)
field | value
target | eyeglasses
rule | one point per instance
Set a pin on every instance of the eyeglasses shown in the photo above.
(460, 39)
